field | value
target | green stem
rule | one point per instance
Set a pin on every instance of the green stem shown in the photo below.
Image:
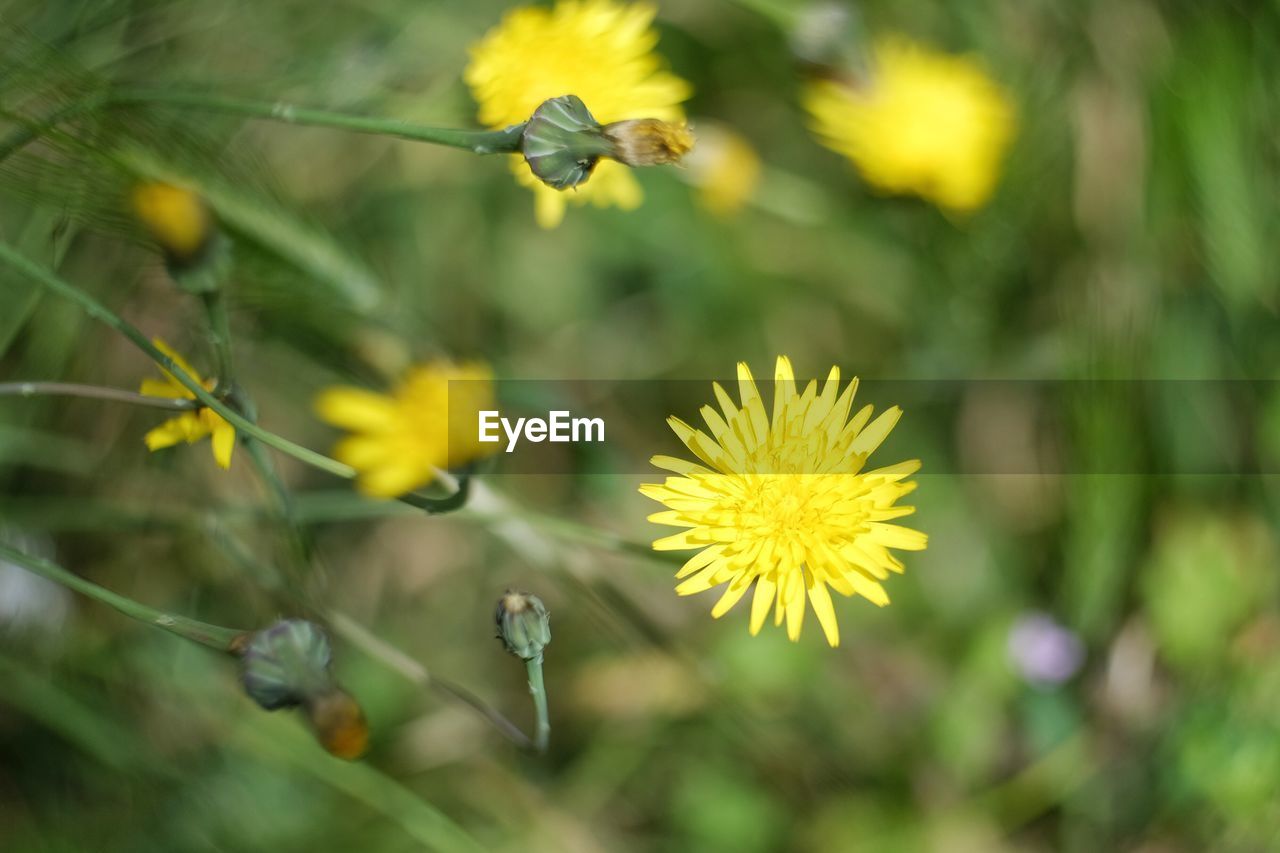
(213, 636)
(414, 672)
(100, 312)
(93, 392)
(477, 141)
(542, 732)
(215, 306)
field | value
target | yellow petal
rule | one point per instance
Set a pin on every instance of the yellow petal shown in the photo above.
(795, 618)
(165, 388)
(821, 601)
(355, 409)
(876, 432)
(224, 443)
(766, 589)
(184, 428)
(731, 596)
(169, 433)
(364, 452)
(700, 560)
(548, 207)
(392, 481)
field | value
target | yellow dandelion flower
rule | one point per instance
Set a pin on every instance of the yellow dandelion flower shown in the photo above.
(927, 123)
(784, 502)
(191, 426)
(427, 422)
(600, 50)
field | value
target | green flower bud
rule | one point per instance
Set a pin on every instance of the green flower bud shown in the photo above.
(562, 142)
(524, 626)
(287, 664)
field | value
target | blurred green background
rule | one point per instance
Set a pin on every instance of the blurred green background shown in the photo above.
(1133, 235)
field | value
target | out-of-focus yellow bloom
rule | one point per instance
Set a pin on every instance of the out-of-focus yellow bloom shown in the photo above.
(724, 168)
(784, 502)
(188, 426)
(927, 123)
(427, 422)
(601, 51)
(177, 219)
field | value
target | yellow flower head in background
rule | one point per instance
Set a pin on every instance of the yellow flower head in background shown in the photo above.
(927, 123)
(177, 218)
(601, 51)
(189, 426)
(427, 423)
(725, 169)
(783, 501)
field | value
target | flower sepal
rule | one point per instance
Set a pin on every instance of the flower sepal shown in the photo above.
(562, 142)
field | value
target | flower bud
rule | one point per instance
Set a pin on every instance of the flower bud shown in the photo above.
(339, 724)
(648, 141)
(524, 626)
(562, 142)
(287, 665)
(176, 218)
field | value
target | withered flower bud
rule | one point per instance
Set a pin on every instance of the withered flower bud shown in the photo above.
(649, 141)
(339, 724)
(524, 626)
(562, 142)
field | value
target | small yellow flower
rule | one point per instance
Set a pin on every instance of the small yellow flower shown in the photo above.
(177, 219)
(784, 502)
(599, 50)
(427, 422)
(925, 122)
(189, 426)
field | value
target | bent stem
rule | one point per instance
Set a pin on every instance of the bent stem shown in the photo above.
(215, 306)
(476, 141)
(100, 312)
(213, 636)
(415, 673)
(105, 315)
(542, 732)
(93, 392)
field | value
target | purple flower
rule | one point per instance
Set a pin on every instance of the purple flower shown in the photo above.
(1044, 652)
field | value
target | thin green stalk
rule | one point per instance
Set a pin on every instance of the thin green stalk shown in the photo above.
(215, 306)
(542, 731)
(396, 660)
(213, 636)
(93, 392)
(477, 141)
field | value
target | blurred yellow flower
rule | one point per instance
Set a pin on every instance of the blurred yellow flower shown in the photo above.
(925, 122)
(177, 218)
(599, 50)
(784, 502)
(427, 422)
(725, 169)
(189, 426)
